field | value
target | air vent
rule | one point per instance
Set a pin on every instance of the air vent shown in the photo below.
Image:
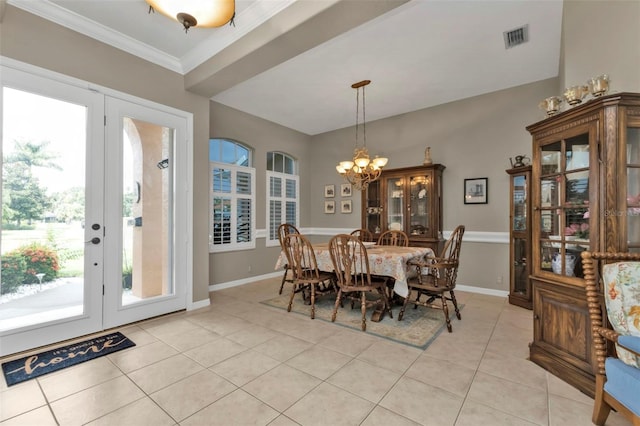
(515, 37)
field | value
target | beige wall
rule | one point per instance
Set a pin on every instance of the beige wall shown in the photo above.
(473, 137)
(28, 38)
(601, 37)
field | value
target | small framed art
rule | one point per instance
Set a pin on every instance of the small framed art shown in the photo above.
(345, 189)
(476, 191)
(329, 191)
(329, 207)
(345, 206)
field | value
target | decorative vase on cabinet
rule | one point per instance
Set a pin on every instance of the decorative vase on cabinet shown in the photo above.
(520, 236)
(585, 196)
(407, 199)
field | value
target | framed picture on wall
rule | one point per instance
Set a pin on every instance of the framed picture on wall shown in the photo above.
(476, 191)
(329, 207)
(329, 191)
(345, 206)
(345, 189)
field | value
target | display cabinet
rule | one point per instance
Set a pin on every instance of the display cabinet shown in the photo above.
(585, 196)
(519, 236)
(407, 199)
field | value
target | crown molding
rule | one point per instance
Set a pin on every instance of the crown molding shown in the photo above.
(254, 15)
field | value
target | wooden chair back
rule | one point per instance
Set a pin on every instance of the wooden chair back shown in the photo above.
(350, 261)
(363, 234)
(302, 257)
(393, 238)
(283, 230)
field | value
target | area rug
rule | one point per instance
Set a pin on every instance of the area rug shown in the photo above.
(33, 366)
(418, 328)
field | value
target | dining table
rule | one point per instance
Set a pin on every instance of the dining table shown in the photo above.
(390, 261)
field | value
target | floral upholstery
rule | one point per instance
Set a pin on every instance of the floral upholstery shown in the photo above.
(622, 297)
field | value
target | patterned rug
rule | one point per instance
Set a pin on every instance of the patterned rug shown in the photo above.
(418, 328)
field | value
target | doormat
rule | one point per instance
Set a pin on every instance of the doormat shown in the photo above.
(32, 366)
(418, 328)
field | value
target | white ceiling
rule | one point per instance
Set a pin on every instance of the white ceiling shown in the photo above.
(420, 54)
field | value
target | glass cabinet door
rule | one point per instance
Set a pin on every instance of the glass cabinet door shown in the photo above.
(564, 205)
(633, 189)
(373, 212)
(420, 199)
(519, 203)
(395, 203)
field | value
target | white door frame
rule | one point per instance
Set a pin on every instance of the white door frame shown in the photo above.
(49, 83)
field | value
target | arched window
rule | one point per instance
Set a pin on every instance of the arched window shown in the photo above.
(231, 196)
(283, 194)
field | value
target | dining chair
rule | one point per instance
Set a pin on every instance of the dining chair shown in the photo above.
(435, 277)
(614, 277)
(363, 235)
(351, 265)
(283, 230)
(305, 271)
(393, 238)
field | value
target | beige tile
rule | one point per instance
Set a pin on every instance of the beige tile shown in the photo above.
(559, 387)
(343, 408)
(163, 373)
(509, 396)
(365, 380)
(138, 335)
(215, 352)
(383, 417)
(190, 339)
(319, 362)
(252, 336)
(519, 370)
(391, 356)
(563, 412)
(473, 414)
(429, 370)
(461, 352)
(143, 412)
(186, 397)
(283, 420)
(95, 402)
(314, 331)
(140, 356)
(422, 403)
(244, 367)
(39, 417)
(227, 325)
(348, 342)
(283, 347)
(79, 377)
(20, 398)
(238, 408)
(282, 387)
(170, 328)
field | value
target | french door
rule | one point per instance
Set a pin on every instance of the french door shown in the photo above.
(88, 238)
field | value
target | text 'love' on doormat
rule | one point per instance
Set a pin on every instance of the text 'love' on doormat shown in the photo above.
(32, 366)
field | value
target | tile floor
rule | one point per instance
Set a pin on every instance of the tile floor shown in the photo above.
(239, 362)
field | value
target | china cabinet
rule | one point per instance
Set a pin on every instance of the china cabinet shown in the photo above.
(407, 199)
(585, 196)
(520, 236)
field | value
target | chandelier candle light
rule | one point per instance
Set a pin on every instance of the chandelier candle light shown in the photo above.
(201, 13)
(361, 171)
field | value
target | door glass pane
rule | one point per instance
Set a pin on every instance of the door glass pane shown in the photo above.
(550, 156)
(43, 209)
(146, 215)
(633, 189)
(519, 203)
(521, 278)
(420, 201)
(395, 204)
(577, 152)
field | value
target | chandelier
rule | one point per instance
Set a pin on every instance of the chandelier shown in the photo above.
(191, 13)
(361, 171)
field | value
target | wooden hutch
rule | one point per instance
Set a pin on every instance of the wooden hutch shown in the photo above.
(585, 196)
(408, 199)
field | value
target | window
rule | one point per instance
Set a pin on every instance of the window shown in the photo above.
(231, 197)
(283, 189)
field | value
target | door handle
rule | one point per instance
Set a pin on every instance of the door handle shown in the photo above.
(94, 240)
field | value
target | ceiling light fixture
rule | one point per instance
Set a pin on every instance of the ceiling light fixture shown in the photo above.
(201, 13)
(361, 171)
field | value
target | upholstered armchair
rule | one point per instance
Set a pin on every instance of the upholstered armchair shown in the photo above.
(615, 277)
